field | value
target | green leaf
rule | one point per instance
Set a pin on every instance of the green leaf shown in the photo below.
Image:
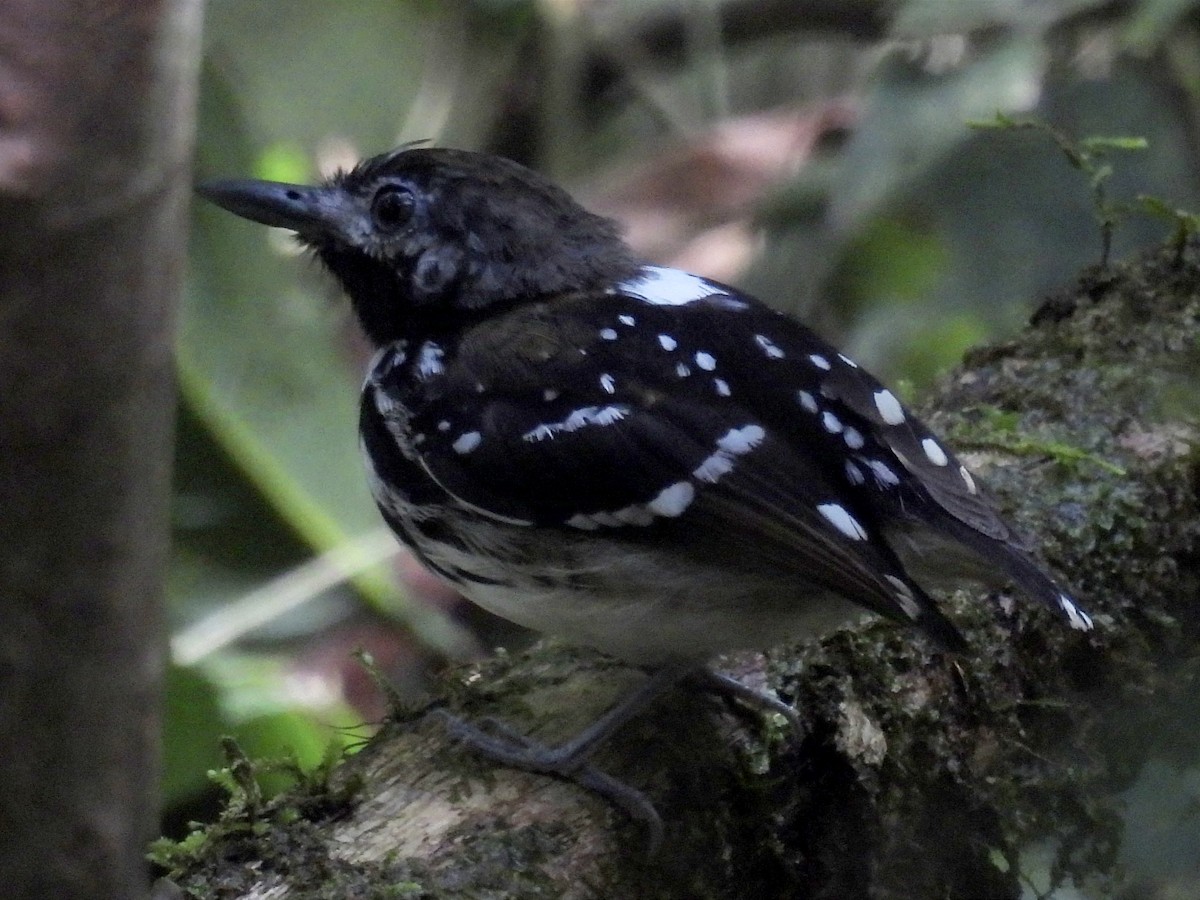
(194, 721)
(284, 162)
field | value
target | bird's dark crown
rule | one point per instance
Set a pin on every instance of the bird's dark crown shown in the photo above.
(426, 239)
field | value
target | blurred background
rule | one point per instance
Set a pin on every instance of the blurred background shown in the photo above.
(819, 154)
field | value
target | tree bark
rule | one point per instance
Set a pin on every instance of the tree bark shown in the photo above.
(96, 122)
(918, 775)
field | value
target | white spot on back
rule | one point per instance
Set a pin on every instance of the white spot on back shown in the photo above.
(667, 342)
(889, 407)
(768, 346)
(662, 286)
(841, 519)
(608, 383)
(467, 442)
(934, 452)
(853, 438)
(673, 500)
(819, 361)
(807, 401)
(968, 480)
(609, 334)
(722, 386)
(831, 422)
(706, 361)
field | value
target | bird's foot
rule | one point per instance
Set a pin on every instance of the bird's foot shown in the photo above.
(732, 689)
(501, 743)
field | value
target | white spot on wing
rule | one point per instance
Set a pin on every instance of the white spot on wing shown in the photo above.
(968, 480)
(682, 370)
(443, 425)
(587, 523)
(735, 442)
(883, 473)
(768, 346)
(819, 361)
(713, 467)
(722, 386)
(609, 334)
(608, 383)
(934, 452)
(626, 319)
(889, 407)
(742, 440)
(853, 473)
(841, 519)
(831, 422)
(1078, 618)
(853, 438)
(904, 596)
(667, 342)
(637, 514)
(847, 360)
(807, 401)
(549, 395)
(661, 286)
(580, 418)
(467, 442)
(672, 501)
(706, 361)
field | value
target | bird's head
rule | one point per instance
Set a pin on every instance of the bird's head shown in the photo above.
(422, 235)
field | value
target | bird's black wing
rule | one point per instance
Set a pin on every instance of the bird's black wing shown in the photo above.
(590, 416)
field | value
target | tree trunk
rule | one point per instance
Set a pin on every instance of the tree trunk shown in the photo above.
(96, 121)
(918, 775)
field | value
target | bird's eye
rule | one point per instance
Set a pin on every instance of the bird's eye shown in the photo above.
(392, 207)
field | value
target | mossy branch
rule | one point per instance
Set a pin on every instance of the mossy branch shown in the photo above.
(918, 775)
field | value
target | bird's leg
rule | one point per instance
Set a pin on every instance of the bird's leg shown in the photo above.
(732, 689)
(503, 744)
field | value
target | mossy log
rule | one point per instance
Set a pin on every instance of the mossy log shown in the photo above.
(919, 775)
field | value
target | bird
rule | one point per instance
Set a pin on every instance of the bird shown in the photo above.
(621, 454)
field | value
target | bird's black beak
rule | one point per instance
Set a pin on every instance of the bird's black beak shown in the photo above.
(310, 211)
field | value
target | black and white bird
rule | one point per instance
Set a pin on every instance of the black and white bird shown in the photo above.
(624, 455)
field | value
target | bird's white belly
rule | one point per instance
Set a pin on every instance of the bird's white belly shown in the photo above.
(630, 605)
